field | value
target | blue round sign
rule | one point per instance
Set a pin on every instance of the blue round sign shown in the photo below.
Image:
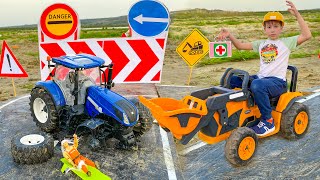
(148, 18)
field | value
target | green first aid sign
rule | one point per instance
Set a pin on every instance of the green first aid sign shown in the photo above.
(220, 49)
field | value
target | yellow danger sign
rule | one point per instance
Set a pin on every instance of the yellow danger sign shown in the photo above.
(59, 21)
(193, 48)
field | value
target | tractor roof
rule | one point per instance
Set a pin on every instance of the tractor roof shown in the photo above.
(85, 61)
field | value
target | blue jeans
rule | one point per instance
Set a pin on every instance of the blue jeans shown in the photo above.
(263, 89)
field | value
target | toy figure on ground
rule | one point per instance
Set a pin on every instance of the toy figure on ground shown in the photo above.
(270, 82)
(73, 156)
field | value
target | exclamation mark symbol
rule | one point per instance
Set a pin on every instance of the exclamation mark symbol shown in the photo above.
(8, 57)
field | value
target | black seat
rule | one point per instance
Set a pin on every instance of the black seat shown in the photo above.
(293, 85)
(225, 82)
(274, 101)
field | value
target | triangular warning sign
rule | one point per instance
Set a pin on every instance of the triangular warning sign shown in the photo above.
(9, 65)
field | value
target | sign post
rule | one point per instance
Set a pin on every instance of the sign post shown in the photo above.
(193, 48)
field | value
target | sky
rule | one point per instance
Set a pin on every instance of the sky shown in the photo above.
(21, 12)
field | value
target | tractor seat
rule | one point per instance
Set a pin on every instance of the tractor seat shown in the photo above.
(274, 101)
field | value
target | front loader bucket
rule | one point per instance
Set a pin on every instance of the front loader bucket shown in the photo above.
(181, 117)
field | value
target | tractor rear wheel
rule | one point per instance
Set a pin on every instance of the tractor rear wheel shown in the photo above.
(43, 110)
(241, 146)
(295, 122)
(145, 121)
(32, 148)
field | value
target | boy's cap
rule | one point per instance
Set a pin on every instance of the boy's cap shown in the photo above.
(273, 16)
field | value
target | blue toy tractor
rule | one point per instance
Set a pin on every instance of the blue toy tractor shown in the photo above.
(72, 102)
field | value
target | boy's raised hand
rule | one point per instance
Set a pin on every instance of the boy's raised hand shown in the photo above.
(292, 8)
(223, 34)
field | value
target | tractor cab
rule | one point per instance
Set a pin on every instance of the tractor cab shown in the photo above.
(79, 100)
(75, 73)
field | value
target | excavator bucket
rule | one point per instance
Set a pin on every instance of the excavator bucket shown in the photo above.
(181, 117)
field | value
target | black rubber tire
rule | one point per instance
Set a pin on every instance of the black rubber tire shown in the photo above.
(233, 143)
(145, 121)
(52, 120)
(32, 153)
(288, 118)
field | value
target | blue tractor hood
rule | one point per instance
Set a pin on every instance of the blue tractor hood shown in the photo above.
(83, 61)
(104, 101)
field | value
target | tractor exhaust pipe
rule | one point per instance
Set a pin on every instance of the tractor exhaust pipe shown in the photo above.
(109, 82)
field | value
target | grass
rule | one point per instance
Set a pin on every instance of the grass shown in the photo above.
(32, 38)
(315, 33)
(103, 33)
(27, 86)
(33, 54)
(236, 56)
(302, 55)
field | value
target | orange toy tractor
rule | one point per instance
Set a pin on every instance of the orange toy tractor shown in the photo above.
(219, 113)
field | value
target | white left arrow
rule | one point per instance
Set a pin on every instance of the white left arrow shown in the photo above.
(140, 19)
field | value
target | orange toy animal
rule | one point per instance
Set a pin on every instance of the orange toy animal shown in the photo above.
(73, 156)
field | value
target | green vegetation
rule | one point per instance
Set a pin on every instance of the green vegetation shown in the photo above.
(32, 54)
(236, 56)
(27, 86)
(102, 33)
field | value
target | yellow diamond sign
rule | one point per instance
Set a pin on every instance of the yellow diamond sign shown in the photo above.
(193, 48)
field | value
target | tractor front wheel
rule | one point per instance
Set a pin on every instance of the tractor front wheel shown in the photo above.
(145, 120)
(241, 146)
(43, 110)
(295, 122)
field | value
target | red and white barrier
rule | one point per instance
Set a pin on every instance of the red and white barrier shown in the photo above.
(135, 59)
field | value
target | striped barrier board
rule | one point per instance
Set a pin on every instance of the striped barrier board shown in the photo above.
(135, 59)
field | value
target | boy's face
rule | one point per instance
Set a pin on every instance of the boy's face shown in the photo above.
(273, 29)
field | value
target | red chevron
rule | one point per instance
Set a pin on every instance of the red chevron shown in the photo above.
(53, 49)
(42, 64)
(156, 77)
(161, 42)
(147, 56)
(119, 59)
(80, 47)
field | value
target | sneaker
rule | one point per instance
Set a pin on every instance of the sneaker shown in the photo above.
(264, 127)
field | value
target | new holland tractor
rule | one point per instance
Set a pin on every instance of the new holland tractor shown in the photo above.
(220, 113)
(79, 100)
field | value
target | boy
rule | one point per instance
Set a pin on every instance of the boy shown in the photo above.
(274, 56)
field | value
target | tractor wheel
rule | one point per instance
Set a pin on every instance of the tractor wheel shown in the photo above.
(43, 110)
(31, 148)
(241, 146)
(295, 122)
(145, 121)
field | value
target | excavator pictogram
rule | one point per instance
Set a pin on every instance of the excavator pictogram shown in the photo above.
(195, 50)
